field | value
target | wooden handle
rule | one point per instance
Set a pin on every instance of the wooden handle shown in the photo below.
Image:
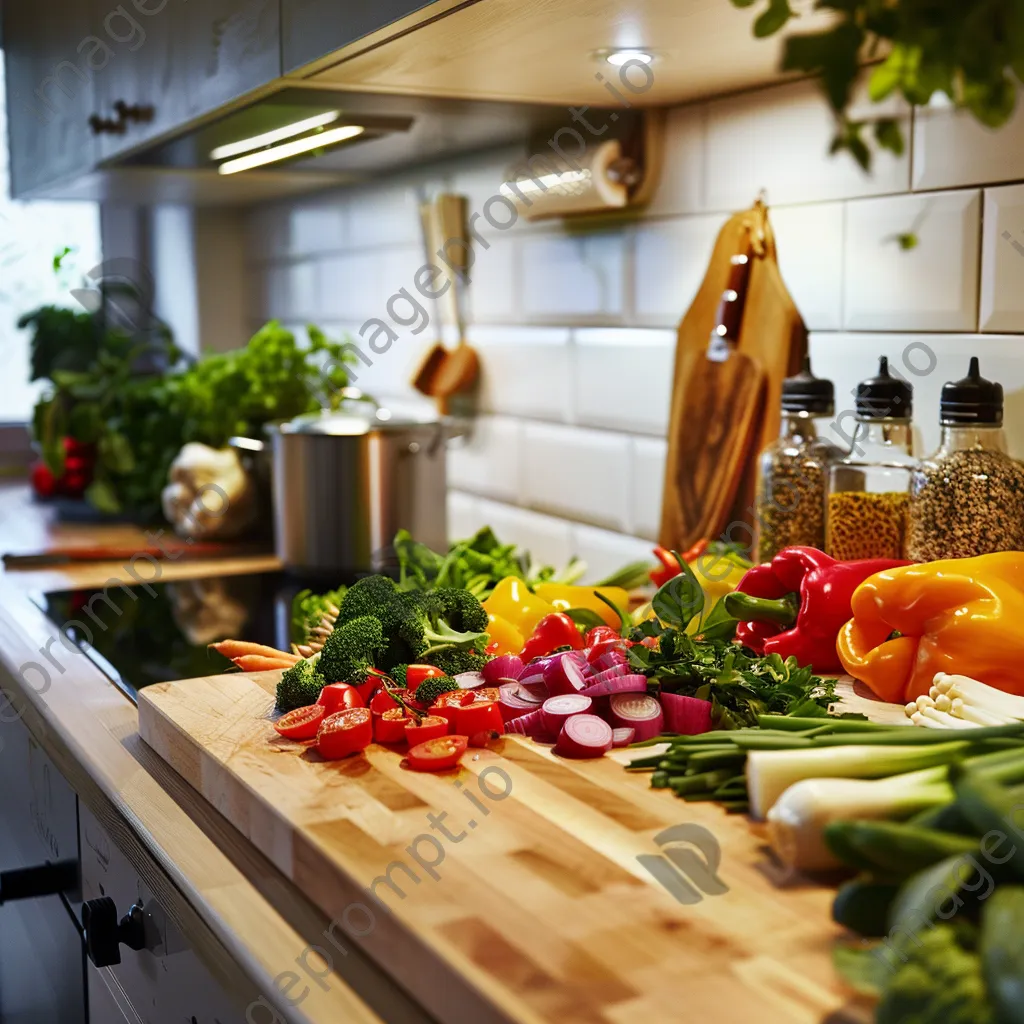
(729, 318)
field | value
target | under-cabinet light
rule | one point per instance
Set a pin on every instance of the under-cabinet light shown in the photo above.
(289, 131)
(620, 57)
(290, 149)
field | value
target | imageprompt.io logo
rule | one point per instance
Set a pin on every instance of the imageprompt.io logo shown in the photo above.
(688, 866)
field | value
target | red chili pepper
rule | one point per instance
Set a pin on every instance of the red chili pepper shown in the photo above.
(670, 564)
(599, 634)
(796, 604)
(553, 631)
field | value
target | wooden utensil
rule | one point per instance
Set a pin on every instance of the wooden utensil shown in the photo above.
(714, 421)
(425, 376)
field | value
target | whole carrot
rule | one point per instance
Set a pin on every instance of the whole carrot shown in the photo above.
(234, 649)
(260, 663)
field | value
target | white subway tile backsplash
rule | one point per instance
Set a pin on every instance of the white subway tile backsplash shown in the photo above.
(670, 259)
(494, 288)
(582, 474)
(623, 378)
(573, 277)
(318, 226)
(489, 460)
(647, 486)
(291, 291)
(778, 139)
(387, 213)
(525, 371)
(606, 552)
(463, 515)
(680, 187)
(810, 247)
(357, 286)
(932, 286)
(548, 538)
(951, 148)
(1002, 260)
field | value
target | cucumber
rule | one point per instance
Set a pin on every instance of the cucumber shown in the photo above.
(894, 849)
(990, 808)
(1002, 953)
(863, 906)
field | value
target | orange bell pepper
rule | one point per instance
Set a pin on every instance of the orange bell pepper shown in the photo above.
(958, 615)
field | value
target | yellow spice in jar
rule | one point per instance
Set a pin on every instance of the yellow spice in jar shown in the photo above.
(862, 525)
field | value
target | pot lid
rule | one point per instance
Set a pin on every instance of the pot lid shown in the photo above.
(360, 415)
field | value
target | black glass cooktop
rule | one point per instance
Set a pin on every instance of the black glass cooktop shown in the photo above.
(139, 636)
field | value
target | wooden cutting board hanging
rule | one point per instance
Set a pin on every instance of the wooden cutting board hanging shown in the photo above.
(740, 338)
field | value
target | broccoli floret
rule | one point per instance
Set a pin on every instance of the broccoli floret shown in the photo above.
(460, 609)
(940, 983)
(454, 660)
(367, 596)
(425, 629)
(430, 689)
(299, 686)
(398, 674)
(352, 650)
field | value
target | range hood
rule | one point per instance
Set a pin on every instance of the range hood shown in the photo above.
(365, 134)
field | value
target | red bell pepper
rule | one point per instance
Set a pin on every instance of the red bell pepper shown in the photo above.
(553, 631)
(796, 604)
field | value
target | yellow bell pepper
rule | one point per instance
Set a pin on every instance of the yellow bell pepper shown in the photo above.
(957, 615)
(564, 597)
(717, 575)
(504, 635)
(513, 601)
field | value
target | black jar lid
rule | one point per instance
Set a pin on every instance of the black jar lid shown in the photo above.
(971, 400)
(884, 396)
(804, 392)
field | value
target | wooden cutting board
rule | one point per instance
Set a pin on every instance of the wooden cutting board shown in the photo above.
(542, 906)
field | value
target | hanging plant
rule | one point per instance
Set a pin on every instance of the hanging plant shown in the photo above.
(972, 51)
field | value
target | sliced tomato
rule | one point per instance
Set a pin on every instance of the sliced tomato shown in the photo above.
(437, 754)
(480, 716)
(416, 674)
(344, 733)
(484, 739)
(339, 697)
(302, 723)
(447, 704)
(483, 693)
(427, 728)
(493, 648)
(390, 726)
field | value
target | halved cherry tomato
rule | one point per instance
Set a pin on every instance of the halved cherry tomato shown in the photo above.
(493, 648)
(389, 727)
(480, 716)
(344, 733)
(448, 703)
(438, 754)
(339, 697)
(483, 693)
(302, 723)
(375, 679)
(427, 728)
(599, 634)
(603, 647)
(415, 674)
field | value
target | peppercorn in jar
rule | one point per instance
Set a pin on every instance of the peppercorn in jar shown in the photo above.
(869, 489)
(967, 498)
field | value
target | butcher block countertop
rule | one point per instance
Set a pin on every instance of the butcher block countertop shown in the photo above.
(546, 910)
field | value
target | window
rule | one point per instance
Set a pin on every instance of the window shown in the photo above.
(31, 234)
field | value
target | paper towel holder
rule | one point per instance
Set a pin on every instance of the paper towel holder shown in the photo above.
(613, 171)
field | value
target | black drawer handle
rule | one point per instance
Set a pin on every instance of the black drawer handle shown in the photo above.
(135, 113)
(43, 880)
(104, 934)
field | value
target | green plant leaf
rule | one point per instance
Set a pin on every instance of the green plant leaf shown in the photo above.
(101, 496)
(992, 102)
(680, 599)
(719, 624)
(585, 617)
(115, 451)
(772, 20)
(889, 136)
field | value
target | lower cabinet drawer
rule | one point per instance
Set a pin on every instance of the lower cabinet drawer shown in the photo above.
(162, 983)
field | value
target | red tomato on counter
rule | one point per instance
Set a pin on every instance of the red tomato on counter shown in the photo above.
(344, 733)
(302, 723)
(340, 697)
(438, 754)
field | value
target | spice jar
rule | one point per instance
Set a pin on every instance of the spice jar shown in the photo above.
(869, 489)
(968, 498)
(793, 471)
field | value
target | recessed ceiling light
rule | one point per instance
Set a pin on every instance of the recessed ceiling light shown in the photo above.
(290, 149)
(620, 57)
(288, 131)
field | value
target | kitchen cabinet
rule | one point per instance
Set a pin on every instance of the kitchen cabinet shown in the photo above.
(50, 77)
(183, 60)
(310, 29)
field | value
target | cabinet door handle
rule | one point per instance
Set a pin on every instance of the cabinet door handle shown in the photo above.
(104, 934)
(43, 880)
(134, 113)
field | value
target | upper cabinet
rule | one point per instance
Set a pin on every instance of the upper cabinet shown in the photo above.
(180, 61)
(51, 65)
(311, 29)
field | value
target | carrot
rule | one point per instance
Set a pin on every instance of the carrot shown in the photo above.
(239, 648)
(260, 663)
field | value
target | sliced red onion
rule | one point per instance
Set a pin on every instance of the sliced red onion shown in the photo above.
(526, 725)
(639, 711)
(606, 647)
(688, 716)
(503, 668)
(470, 680)
(584, 736)
(579, 659)
(511, 704)
(556, 711)
(610, 659)
(536, 692)
(564, 676)
(634, 683)
(622, 737)
(610, 673)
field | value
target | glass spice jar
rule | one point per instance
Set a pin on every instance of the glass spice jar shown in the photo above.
(869, 489)
(968, 497)
(793, 471)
